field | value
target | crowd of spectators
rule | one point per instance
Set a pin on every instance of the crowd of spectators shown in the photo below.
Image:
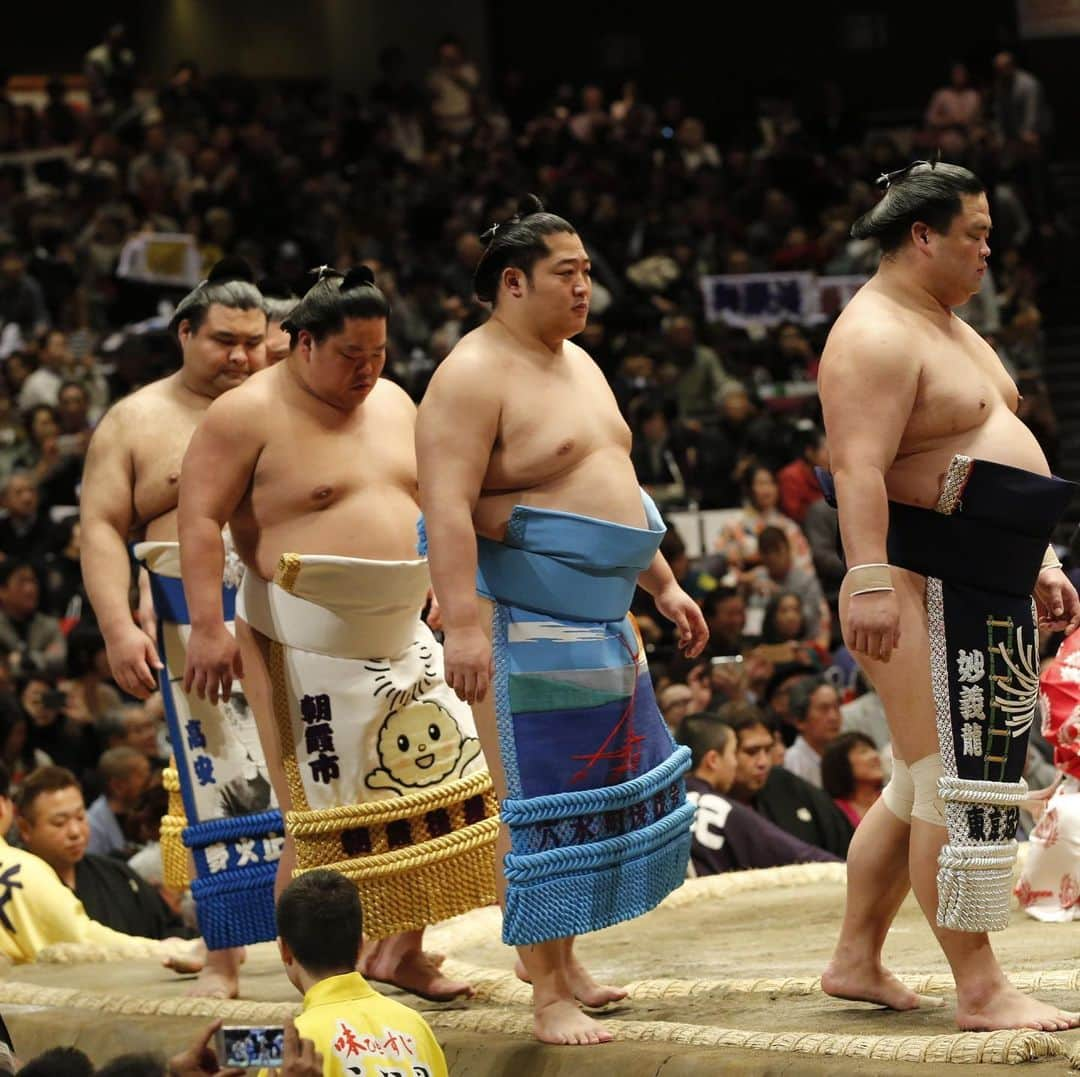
(405, 179)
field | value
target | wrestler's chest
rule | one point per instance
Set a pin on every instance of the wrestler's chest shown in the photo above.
(324, 470)
(958, 397)
(157, 477)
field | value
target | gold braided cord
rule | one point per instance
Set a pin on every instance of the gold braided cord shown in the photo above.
(288, 568)
(418, 885)
(347, 816)
(279, 692)
(174, 856)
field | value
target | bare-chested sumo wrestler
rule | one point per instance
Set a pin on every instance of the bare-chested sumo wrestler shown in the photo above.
(131, 485)
(539, 533)
(375, 761)
(946, 509)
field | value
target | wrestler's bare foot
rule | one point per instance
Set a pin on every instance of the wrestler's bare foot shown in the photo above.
(184, 956)
(370, 947)
(416, 972)
(220, 977)
(870, 981)
(1006, 1007)
(561, 1022)
(586, 990)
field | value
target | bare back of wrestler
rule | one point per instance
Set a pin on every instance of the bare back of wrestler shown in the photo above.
(312, 456)
(905, 385)
(519, 415)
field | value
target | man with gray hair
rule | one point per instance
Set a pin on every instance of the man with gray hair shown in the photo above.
(25, 531)
(125, 775)
(131, 487)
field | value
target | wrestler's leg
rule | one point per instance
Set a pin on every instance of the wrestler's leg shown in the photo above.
(985, 998)
(255, 654)
(548, 966)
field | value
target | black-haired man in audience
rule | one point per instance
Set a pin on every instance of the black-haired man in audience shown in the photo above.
(783, 798)
(729, 836)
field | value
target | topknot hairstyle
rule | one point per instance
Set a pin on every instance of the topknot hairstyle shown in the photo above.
(334, 297)
(230, 283)
(927, 191)
(517, 242)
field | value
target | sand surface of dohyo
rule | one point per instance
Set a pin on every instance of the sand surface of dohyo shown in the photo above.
(739, 955)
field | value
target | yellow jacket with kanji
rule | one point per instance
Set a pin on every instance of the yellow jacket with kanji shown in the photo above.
(38, 910)
(359, 1032)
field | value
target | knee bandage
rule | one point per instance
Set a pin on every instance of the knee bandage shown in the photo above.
(899, 794)
(928, 804)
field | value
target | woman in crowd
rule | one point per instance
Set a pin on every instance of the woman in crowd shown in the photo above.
(851, 774)
(785, 623)
(738, 539)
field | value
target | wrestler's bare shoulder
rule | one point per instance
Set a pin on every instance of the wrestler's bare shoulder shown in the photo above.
(477, 358)
(387, 396)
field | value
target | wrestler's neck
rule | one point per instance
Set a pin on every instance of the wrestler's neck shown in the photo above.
(530, 336)
(897, 277)
(192, 390)
(294, 368)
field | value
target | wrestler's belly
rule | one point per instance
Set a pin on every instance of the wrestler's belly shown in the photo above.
(377, 525)
(916, 477)
(603, 485)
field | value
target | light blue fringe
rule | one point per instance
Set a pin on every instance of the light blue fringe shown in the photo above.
(574, 890)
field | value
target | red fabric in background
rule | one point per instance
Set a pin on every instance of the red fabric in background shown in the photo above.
(1060, 685)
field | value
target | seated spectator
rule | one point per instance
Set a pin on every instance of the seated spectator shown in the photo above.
(783, 798)
(39, 910)
(319, 924)
(777, 574)
(32, 640)
(784, 635)
(675, 701)
(73, 411)
(125, 776)
(725, 614)
(956, 105)
(815, 713)
(16, 752)
(90, 675)
(656, 456)
(738, 540)
(140, 729)
(50, 730)
(53, 826)
(701, 374)
(26, 531)
(851, 774)
(57, 475)
(65, 595)
(776, 697)
(822, 529)
(729, 836)
(866, 714)
(799, 486)
(42, 387)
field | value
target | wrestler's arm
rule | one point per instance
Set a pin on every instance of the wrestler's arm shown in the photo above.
(214, 477)
(676, 605)
(107, 511)
(456, 430)
(868, 384)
